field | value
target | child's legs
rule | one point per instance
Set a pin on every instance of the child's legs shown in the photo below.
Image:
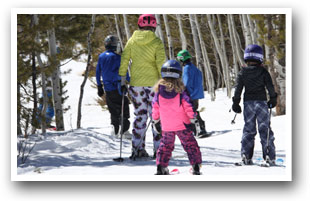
(263, 129)
(150, 95)
(114, 102)
(190, 145)
(139, 98)
(201, 122)
(249, 129)
(165, 149)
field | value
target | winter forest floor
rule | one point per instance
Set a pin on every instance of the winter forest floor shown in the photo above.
(87, 153)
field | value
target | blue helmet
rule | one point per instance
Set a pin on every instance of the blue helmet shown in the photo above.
(172, 69)
(254, 53)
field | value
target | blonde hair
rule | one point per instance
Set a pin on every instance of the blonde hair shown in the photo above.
(170, 84)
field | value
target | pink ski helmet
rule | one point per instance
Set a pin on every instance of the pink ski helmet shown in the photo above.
(147, 20)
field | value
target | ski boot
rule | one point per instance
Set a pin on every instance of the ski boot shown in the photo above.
(268, 162)
(127, 135)
(203, 133)
(162, 170)
(246, 161)
(139, 154)
(196, 169)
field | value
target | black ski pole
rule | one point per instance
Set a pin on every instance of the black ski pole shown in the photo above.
(120, 159)
(233, 121)
(268, 135)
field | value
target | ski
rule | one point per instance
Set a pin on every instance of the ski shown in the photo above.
(261, 163)
(174, 171)
(127, 159)
(212, 134)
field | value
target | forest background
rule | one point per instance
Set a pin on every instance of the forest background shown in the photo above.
(45, 42)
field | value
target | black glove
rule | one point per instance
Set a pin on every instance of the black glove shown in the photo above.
(236, 107)
(272, 101)
(100, 90)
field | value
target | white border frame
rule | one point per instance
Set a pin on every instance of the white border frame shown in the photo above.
(288, 124)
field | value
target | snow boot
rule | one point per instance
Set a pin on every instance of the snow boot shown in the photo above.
(196, 169)
(162, 170)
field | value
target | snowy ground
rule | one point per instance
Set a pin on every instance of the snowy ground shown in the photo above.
(87, 153)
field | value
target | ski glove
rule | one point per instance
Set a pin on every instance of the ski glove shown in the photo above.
(100, 90)
(122, 88)
(272, 102)
(157, 126)
(236, 107)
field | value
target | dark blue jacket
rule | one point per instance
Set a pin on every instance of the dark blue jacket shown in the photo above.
(192, 79)
(107, 69)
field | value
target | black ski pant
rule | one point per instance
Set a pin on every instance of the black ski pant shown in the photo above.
(201, 122)
(114, 102)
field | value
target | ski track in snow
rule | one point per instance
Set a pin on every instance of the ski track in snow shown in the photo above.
(90, 150)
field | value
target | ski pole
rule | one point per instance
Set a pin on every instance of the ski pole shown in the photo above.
(120, 159)
(233, 121)
(268, 135)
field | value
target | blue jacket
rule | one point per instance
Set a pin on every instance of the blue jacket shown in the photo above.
(192, 79)
(107, 69)
(49, 110)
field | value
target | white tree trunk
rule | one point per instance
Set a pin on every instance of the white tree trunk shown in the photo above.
(127, 30)
(222, 55)
(159, 31)
(233, 46)
(89, 48)
(182, 35)
(247, 33)
(169, 37)
(207, 66)
(237, 41)
(196, 41)
(56, 80)
(226, 69)
(43, 79)
(118, 31)
(252, 29)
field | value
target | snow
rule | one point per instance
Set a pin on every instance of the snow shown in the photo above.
(87, 154)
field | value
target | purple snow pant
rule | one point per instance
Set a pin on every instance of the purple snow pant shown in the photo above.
(188, 142)
(256, 111)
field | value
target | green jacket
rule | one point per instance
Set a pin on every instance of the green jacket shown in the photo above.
(147, 53)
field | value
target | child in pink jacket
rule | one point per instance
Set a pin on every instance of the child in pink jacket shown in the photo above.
(172, 107)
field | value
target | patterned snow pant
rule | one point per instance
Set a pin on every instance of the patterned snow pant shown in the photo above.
(142, 100)
(188, 142)
(257, 111)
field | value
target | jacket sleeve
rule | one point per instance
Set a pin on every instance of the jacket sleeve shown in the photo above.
(188, 106)
(160, 57)
(269, 85)
(239, 86)
(98, 71)
(125, 60)
(188, 83)
(155, 108)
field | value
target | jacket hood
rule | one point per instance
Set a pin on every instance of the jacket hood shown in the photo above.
(166, 94)
(143, 37)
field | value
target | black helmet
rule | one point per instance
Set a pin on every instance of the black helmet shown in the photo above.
(111, 42)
